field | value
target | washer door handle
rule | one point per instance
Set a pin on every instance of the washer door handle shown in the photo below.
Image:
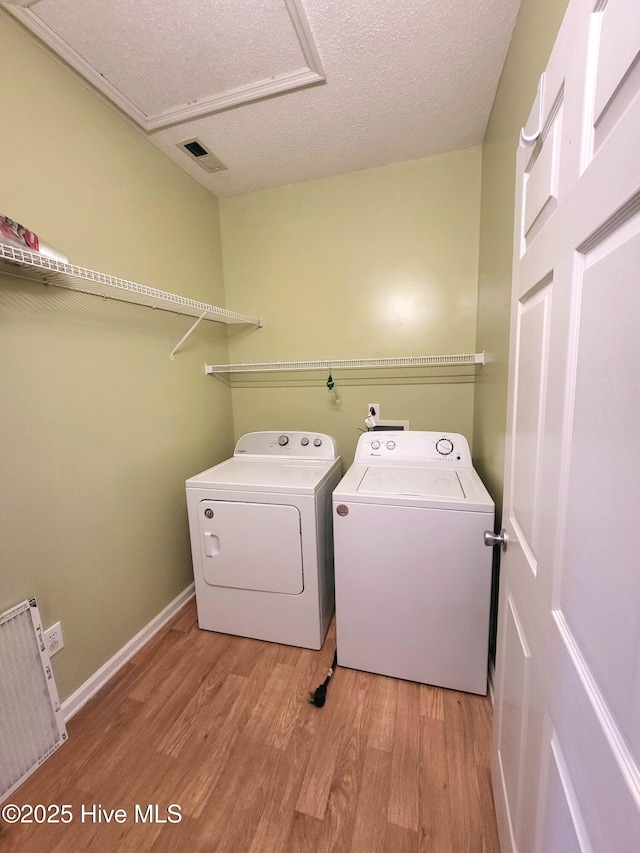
(491, 539)
(211, 544)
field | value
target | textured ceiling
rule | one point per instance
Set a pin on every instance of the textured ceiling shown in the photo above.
(283, 91)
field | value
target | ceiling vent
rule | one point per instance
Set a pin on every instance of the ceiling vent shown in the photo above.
(207, 161)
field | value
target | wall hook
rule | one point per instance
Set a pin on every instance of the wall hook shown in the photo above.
(528, 140)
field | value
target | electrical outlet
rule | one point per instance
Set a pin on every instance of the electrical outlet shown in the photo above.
(376, 410)
(54, 639)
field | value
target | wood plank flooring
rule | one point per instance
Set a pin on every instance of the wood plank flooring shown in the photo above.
(221, 726)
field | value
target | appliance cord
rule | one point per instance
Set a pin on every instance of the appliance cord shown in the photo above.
(319, 696)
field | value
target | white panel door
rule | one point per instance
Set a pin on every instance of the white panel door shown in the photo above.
(566, 762)
(251, 546)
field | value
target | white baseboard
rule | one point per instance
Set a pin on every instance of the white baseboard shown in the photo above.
(91, 686)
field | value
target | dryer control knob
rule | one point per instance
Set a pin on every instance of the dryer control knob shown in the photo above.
(375, 445)
(391, 445)
(283, 440)
(317, 442)
(304, 441)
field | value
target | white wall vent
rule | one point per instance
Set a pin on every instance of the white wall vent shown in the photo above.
(31, 722)
(204, 158)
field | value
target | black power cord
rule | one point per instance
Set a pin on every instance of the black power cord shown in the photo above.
(319, 696)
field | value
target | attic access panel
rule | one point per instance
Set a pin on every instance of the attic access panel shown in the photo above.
(166, 63)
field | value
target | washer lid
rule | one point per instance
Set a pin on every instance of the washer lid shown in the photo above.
(415, 486)
(292, 476)
(413, 481)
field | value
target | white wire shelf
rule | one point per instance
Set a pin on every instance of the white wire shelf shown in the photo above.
(358, 363)
(36, 267)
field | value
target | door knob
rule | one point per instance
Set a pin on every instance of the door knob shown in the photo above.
(491, 539)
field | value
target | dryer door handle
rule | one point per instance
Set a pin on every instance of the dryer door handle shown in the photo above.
(211, 544)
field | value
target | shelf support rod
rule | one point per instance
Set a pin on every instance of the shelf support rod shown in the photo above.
(173, 352)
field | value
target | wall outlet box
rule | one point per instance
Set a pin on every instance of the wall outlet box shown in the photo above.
(53, 638)
(392, 425)
(374, 422)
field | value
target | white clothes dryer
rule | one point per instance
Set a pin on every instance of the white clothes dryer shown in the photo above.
(261, 538)
(413, 577)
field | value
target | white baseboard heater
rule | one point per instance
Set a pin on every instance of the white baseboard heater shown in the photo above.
(31, 722)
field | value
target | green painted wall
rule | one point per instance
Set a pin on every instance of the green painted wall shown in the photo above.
(381, 262)
(98, 427)
(533, 38)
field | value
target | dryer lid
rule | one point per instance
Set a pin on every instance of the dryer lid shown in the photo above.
(290, 476)
(412, 481)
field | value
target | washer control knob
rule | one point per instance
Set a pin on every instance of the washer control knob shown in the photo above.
(391, 445)
(375, 445)
(444, 446)
(283, 440)
(304, 441)
(208, 513)
(317, 442)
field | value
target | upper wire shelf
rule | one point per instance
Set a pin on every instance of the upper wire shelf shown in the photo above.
(336, 364)
(36, 267)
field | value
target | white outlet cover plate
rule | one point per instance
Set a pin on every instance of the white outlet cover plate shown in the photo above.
(54, 639)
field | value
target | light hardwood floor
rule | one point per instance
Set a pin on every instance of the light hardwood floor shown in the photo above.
(221, 726)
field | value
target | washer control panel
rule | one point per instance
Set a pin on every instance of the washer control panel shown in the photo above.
(450, 450)
(293, 445)
(376, 444)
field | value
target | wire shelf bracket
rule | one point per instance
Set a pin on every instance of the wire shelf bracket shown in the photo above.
(21, 263)
(358, 363)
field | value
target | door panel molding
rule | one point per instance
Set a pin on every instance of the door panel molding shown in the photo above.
(626, 761)
(511, 734)
(565, 830)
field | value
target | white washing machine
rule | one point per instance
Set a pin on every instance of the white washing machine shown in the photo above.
(261, 538)
(413, 577)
